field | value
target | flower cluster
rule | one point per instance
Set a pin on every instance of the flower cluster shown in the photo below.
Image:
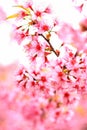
(49, 93)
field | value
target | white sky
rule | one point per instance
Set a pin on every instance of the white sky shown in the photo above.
(10, 52)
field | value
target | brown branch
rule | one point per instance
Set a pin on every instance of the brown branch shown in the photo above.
(49, 44)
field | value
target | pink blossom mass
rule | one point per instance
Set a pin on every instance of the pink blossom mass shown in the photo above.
(50, 91)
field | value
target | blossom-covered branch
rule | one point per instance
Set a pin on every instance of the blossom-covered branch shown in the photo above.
(49, 93)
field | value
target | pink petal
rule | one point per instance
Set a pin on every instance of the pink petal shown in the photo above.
(2, 14)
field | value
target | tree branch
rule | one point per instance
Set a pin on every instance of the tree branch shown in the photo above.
(49, 44)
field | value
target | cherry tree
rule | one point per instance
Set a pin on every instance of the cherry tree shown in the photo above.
(50, 91)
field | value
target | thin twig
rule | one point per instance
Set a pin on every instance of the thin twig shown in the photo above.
(49, 44)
